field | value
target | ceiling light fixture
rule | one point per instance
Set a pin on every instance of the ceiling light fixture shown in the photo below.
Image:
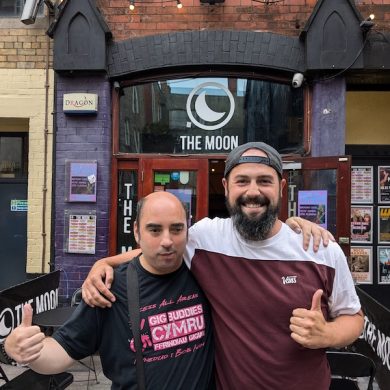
(132, 5)
(179, 4)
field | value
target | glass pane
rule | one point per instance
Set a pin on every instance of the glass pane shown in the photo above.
(11, 157)
(181, 184)
(210, 115)
(312, 195)
(14, 8)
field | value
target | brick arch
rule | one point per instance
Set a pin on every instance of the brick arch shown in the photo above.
(206, 48)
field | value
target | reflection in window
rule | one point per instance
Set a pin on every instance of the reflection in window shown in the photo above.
(210, 115)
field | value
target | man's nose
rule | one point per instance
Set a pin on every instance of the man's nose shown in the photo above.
(253, 189)
(166, 240)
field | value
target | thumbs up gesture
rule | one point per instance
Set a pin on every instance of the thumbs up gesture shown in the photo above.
(26, 341)
(308, 327)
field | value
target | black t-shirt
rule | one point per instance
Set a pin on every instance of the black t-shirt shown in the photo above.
(175, 331)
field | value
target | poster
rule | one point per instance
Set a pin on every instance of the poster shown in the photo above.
(362, 184)
(184, 195)
(361, 264)
(82, 178)
(81, 233)
(361, 223)
(312, 205)
(384, 184)
(383, 225)
(383, 264)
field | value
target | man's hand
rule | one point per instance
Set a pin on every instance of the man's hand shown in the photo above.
(308, 230)
(309, 327)
(95, 289)
(25, 342)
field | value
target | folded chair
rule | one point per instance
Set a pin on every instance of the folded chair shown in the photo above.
(346, 367)
(29, 379)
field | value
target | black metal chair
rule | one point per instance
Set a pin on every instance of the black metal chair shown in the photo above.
(3, 375)
(76, 300)
(30, 379)
(346, 367)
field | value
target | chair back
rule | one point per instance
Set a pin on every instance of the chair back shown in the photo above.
(351, 365)
(76, 297)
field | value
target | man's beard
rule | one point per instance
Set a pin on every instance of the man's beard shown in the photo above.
(258, 227)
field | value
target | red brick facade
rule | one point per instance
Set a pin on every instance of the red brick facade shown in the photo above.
(286, 17)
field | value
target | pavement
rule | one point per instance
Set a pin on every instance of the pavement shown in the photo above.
(80, 375)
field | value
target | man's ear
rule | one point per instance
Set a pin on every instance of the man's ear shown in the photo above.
(136, 232)
(225, 186)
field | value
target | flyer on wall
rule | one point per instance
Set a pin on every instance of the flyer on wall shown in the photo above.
(361, 223)
(384, 184)
(362, 184)
(384, 264)
(361, 264)
(383, 225)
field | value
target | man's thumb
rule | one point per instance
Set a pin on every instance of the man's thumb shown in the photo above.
(316, 301)
(27, 315)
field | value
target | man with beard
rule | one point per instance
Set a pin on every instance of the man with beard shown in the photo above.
(275, 306)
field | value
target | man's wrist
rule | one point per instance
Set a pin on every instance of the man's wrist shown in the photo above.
(4, 357)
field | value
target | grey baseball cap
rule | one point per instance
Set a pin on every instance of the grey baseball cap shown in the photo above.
(235, 157)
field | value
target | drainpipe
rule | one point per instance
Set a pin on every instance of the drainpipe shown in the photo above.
(46, 136)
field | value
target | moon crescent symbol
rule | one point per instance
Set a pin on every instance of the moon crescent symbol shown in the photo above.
(204, 111)
(4, 330)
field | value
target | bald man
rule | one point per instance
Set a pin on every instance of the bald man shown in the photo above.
(175, 318)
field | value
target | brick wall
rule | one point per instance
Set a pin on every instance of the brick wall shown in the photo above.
(82, 138)
(23, 51)
(23, 47)
(161, 16)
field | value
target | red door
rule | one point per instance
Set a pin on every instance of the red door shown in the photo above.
(319, 189)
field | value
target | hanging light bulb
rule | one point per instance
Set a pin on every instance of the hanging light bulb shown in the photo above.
(132, 5)
(179, 4)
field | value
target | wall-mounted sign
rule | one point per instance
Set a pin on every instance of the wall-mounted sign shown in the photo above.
(81, 232)
(80, 103)
(19, 205)
(81, 181)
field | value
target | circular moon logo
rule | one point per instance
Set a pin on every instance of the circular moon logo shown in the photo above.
(6, 323)
(204, 112)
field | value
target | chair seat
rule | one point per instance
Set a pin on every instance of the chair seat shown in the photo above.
(31, 379)
(343, 384)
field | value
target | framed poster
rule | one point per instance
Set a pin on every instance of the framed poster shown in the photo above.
(362, 184)
(80, 232)
(81, 181)
(383, 264)
(383, 225)
(361, 264)
(312, 205)
(361, 223)
(384, 184)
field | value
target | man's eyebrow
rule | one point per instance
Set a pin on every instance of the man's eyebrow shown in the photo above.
(153, 225)
(177, 225)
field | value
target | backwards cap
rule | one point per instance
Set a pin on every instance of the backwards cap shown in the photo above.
(235, 157)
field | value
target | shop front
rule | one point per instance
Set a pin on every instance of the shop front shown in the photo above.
(168, 108)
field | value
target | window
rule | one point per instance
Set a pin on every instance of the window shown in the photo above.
(14, 8)
(210, 115)
(13, 155)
